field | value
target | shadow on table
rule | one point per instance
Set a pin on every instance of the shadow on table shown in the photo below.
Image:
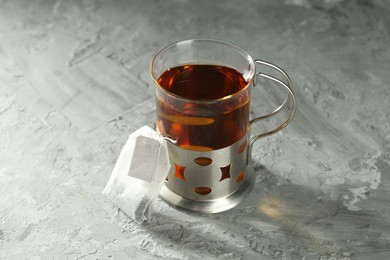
(278, 219)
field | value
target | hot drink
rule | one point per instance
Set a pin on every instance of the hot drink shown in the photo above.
(203, 125)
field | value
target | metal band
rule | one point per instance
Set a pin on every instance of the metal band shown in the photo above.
(208, 182)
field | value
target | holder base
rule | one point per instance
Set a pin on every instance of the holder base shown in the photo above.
(211, 206)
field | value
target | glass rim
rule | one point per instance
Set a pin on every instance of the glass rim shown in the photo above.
(205, 101)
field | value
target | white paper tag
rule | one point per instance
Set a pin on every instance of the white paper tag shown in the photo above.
(145, 158)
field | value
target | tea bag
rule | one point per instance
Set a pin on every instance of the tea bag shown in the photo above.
(139, 173)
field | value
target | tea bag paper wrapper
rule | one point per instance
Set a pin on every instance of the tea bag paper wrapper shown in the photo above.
(139, 173)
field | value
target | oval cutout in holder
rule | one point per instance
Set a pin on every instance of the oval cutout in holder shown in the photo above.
(202, 190)
(203, 161)
(241, 177)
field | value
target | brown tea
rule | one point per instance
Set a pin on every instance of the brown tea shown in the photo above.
(199, 125)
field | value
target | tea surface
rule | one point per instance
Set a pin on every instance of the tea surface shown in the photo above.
(202, 81)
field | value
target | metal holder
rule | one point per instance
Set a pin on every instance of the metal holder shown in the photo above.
(209, 182)
(217, 180)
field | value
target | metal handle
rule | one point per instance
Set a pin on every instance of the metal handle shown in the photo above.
(287, 85)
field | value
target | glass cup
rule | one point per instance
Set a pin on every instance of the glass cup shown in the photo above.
(203, 94)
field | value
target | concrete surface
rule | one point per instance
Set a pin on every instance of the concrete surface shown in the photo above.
(74, 82)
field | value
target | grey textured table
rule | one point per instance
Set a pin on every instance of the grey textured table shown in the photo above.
(74, 83)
